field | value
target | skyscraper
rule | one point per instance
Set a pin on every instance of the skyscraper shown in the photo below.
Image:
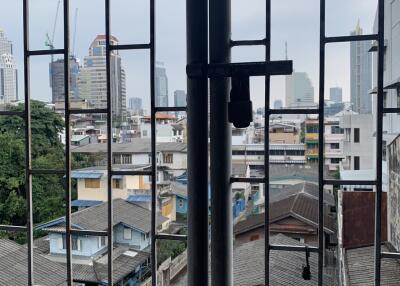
(336, 94)
(360, 74)
(179, 98)
(299, 90)
(8, 72)
(135, 105)
(161, 91)
(57, 79)
(92, 81)
(278, 104)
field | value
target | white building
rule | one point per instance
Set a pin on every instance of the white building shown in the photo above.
(333, 143)
(92, 80)
(161, 89)
(8, 72)
(299, 90)
(359, 141)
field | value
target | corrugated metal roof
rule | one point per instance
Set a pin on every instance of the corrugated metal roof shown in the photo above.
(86, 175)
(85, 203)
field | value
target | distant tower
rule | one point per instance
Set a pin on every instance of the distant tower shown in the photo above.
(161, 91)
(92, 81)
(299, 90)
(8, 72)
(57, 79)
(336, 94)
(179, 98)
(135, 105)
(278, 104)
(360, 74)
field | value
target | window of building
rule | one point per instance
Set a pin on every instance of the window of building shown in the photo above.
(126, 159)
(356, 163)
(335, 160)
(92, 183)
(76, 244)
(356, 135)
(276, 152)
(117, 183)
(335, 146)
(102, 241)
(127, 233)
(168, 158)
(337, 130)
(180, 203)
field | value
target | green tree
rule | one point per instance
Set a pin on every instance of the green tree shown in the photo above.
(47, 153)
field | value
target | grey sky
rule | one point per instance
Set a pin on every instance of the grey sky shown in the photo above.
(294, 21)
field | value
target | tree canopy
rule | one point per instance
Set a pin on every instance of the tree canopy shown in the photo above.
(47, 153)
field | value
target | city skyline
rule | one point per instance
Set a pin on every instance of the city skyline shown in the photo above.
(302, 40)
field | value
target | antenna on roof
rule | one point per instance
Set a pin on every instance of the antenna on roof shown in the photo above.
(286, 53)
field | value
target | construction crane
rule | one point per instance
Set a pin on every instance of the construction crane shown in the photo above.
(50, 40)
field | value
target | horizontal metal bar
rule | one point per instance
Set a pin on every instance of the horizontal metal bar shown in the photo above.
(349, 182)
(12, 228)
(242, 69)
(292, 111)
(293, 248)
(247, 180)
(88, 232)
(393, 255)
(46, 52)
(170, 109)
(88, 111)
(391, 110)
(131, 173)
(167, 236)
(262, 42)
(12, 113)
(130, 47)
(354, 38)
(47, 172)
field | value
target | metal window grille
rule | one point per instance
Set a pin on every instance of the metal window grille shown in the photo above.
(197, 39)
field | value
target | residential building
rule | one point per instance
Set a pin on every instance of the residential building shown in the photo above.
(8, 72)
(161, 81)
(360, 74)
(135, 105)
(92, 79)
(333, 143)
(293, 212)
(14, 266)
(336, 94)
(56, 74)
(359, 143)
(311, 136)
(299, 90)
(132, 238)
(284, 133)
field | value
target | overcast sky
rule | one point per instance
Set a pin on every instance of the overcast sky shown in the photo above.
(294, 21)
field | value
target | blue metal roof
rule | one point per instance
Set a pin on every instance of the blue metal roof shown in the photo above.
(86, 175)
(85, 203)
(139, 199)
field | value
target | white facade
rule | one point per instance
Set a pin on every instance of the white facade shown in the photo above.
(333, 144)
(8, 72)
(359, 141)
(299, 90)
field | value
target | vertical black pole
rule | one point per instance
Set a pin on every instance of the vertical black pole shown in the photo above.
(197, 113)
(67, 145)
(266, 139)
(28, 157)
(110, 114)
(321, 117)
(220, 148)
(379, 130)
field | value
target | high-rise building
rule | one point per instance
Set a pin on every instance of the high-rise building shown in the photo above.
(92, 81)
(360, 74)
(8, 72)
(57, 79)
(299, 90)
(161, 91)
(336, 94)
(278, 104)
(179, 98)
(135, 105)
